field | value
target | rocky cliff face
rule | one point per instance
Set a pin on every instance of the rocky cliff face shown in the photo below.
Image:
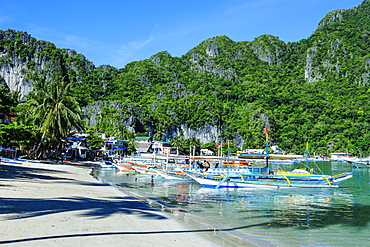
(334, 16)
(205, 134)
(215, 75)
(269, 49)
(311, 72)
(12, 67)
(14, 77)
(23, 58)
(95, 116)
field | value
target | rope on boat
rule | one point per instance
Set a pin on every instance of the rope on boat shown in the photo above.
(319, 169)
(362, 178)
(287, 179)
(327, 180)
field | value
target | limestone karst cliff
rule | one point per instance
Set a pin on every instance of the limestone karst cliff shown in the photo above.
(315, 88)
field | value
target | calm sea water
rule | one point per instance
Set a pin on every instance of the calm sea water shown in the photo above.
(266, 217)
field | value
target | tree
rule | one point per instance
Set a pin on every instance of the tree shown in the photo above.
(8, 100)
(94, 140)
(17, 136)
(160, 133)
(210, 146)
(194, 145)
(123, 133)
(52, 110)
(177, 142)
(131, 141)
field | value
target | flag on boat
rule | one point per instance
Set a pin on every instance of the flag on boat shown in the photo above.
(265, 132)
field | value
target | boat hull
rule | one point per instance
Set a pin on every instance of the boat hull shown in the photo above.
(173, 176)
(251, 181)
(125, 167)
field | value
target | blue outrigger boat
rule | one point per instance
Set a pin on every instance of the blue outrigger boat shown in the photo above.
(262, 177)
(9, 152)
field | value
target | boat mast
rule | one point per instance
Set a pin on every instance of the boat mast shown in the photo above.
(307, 156)
(228, 157)
(267, 145)
(190, 163)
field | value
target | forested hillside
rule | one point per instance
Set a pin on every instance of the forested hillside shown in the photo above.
(314, 90)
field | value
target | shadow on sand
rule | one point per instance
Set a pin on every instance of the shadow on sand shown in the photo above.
(8, 172)
(20, 172)
(22, 208)
(99, 208)
(128, 233)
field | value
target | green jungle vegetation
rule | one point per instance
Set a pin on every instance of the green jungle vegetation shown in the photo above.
(313, 90)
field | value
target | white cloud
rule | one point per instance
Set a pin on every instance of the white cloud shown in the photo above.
(129, 52)
(5, 19)
(142, 44)
(78, 42)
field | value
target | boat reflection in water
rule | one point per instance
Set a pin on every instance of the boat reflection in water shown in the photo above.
(278, 216)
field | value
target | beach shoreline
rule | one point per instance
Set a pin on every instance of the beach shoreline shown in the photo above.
(54, 204)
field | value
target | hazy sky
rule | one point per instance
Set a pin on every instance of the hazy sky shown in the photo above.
(122, 31)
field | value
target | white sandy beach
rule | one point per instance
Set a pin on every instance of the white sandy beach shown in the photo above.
(62, 205)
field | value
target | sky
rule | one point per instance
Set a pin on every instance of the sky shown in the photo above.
(117, 32)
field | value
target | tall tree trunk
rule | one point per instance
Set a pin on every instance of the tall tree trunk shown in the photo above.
(38, 145)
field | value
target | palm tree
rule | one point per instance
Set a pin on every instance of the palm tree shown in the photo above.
(194, 143)
(177, 142)
(120, 131)
(129, 136)
(52, 110)
(160, 133)
(131, 141)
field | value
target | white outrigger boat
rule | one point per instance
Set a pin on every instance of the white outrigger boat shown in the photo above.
(106, 165)
(262, 177)
(173, 175)
(124, 167)
(146, 168)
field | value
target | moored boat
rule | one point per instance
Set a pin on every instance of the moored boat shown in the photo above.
(173, 175)
(358, 162)
(296, 178)
(105, 165)
(9, 156)
(10, 161)
(146, 168)
(263, 177)
(125, 167)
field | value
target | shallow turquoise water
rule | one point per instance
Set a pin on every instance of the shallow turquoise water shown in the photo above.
(281, 217)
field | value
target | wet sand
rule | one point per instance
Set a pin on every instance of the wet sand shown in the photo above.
(49, 204)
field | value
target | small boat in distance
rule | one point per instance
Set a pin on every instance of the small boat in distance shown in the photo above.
(358, 162)
(105, 165)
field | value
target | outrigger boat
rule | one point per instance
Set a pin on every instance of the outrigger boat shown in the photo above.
(146, 168)
(124, 167)
(259, 177)
(106, 165)
(295, 178)
(9, 156)
(173, 176)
